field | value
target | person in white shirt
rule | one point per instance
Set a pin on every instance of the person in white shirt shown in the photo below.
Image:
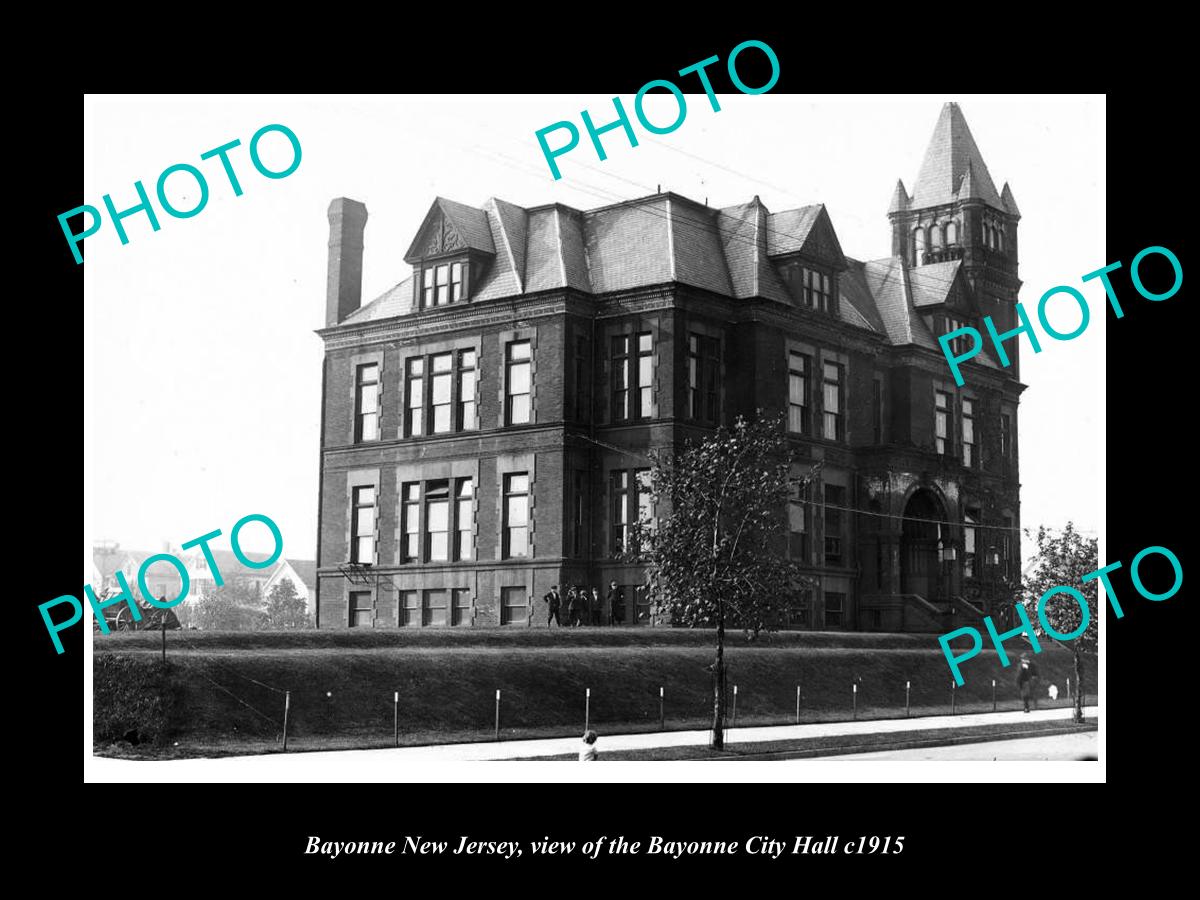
(587, 753)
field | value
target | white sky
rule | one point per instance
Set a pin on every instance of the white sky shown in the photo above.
(202, 395)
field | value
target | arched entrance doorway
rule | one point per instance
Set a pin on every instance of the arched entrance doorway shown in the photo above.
(920, 569)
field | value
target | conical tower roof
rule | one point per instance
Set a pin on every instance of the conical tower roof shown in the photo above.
(953, 163)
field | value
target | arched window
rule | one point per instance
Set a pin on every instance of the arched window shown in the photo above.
(935, 236)
(1000, 238)
(918, 245)
(987, 235)
(951, 233)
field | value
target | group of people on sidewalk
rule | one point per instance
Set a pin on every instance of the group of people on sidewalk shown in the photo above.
(581, 607)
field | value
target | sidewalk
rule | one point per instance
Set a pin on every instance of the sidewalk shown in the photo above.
(501, 750)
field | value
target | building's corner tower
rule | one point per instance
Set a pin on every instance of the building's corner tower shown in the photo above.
(955, 212)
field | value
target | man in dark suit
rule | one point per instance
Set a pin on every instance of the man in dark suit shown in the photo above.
(553, 602)
(1027, 671)
(616, 604)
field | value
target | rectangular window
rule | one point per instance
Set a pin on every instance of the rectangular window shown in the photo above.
(834, 429)
(362, 538)
(835, 500)
(427, 291)
(443, 286)
(367, 418)
(460, 606)
(645, 504)
(645, 376)
(518, 383)
(958, 345)
(799, 415)
(416, 397)
(442, 376)
(410, 494)
(582, 380)
(410, 609)
(693, 376)
(808, 288)
(435, 609)
(712, 371)
(456, 282)
(877, 410)
(835, 609)
(516, 515)
(437, 521)
(620, 378)
(1006, 547)
(362, 615)
(941, 423)
(578, 523)
(466, 391)
(970, 523)
(968, 432)
(1005, 436)
(464, 519)
(798, 527)
(512, 606)
(620, 512)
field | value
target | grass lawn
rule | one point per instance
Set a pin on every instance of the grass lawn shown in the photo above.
(227, 687)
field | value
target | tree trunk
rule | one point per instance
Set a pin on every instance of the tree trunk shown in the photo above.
(1078, 686)
(718, 729)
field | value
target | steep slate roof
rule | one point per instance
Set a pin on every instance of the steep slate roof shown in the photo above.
(953, 167)
(931, 283)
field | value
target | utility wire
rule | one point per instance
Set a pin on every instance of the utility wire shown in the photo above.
(238, 699)
(232, 671)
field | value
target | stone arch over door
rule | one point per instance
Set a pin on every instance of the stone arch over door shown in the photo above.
(920, 568)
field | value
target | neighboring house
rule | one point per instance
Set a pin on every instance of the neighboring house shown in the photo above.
(303, 575)
(163, 579)
(487, 421)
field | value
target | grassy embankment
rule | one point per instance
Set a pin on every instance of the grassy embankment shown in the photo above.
(342, 683)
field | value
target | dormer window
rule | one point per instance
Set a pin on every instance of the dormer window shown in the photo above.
(443, 283)
(957, 344)
(812, 288)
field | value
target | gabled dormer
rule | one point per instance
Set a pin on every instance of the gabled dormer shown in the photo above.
(453, 249)
(941, 294)
(805, 250)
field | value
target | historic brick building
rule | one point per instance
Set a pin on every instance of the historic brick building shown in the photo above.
(485, 422)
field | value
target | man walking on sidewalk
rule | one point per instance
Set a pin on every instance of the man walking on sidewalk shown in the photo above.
(1026, 673)
(553, 602)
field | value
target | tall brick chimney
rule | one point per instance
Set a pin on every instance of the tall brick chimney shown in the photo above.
(343, 286)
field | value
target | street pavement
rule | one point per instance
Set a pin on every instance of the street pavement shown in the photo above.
(501, 750)
(1075, 745)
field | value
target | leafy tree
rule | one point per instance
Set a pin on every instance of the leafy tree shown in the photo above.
(235, 606)
(1062, 559)
(718, 552)
(286, 608)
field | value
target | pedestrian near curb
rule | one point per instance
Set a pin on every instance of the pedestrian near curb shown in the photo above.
(588, 753)
(1027, 672)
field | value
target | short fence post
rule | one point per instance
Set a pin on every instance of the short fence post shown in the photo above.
(797, 704)
(907, 692)
(734, 725)
(396, 717)
(953, 694)
(587, 709)
(287, 704)
(1068, 680)
(855, 695)
(662, 717)
(993, 695)
(497, 714)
